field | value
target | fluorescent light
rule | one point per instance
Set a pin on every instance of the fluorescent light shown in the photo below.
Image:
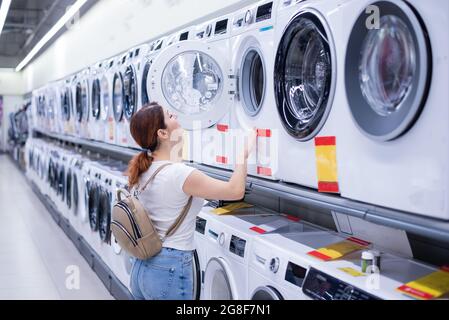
(51, 33)
(3, 13)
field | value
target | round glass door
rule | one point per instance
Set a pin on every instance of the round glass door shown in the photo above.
(130, 89)
(85, 100)
(304, 76)
(266, 293)
(66, 104)
(104, 216)
(118, 97)
(252, 81)
(146, 71)
(75, 194)
(105, 101)
(217, 283)
(96, 99)
(68, 189)
(93, 206)
(79, 102)
(387, 71)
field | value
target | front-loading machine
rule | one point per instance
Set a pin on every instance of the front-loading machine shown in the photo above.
(279, 262)
(96, 123)
(191, 78)
(106, 111)
(82, 104)
(394, 154)
(309, 92)
(67, 114)
(252, 50)
(228, 240)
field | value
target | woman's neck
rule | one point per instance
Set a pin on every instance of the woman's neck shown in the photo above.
(166, 154)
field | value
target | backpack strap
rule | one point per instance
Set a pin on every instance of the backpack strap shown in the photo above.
(152, 177)
(179, 220)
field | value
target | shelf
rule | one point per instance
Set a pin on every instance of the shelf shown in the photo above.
(420, 225)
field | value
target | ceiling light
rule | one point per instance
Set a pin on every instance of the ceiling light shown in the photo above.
(3, 13)
(51, 33)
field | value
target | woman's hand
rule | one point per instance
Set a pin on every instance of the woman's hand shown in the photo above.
(250, 142)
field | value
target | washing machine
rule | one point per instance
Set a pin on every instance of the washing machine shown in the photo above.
(96, 123)
(106, 112)
(82, 104)
(119, 101)
(328, 281)
(252, 48)
(308, 90)
(50, 106)
(279, 263)
(65, 94)
(191, 78)
(393, 155)
(228, 244)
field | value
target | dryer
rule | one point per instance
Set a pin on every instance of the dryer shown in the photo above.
(252, 49)
(394, 155)
(191, 79)
(307, 87)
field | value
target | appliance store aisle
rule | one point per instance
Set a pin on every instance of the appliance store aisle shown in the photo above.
(37, 260)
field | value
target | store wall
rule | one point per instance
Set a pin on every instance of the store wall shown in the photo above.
(113, 26)
(11, 82)
(11, 103)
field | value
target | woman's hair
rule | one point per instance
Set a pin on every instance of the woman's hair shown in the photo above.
(144, 127)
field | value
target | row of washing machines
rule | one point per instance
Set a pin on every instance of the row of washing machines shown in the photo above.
(253, 254)
(365, 79)
(82, 190)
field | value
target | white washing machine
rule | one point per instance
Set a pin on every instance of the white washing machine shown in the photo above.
(123, 100)
(394, 155)
(106, 113)
(191, 79)
(279, 262)
(96, 124)
(308, 87)
(228, 241)
(252, 49)
(82, 104)
(67, 107)
(327, 281)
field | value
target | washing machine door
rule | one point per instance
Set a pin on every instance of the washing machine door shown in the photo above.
(105, 101)
(61, 182)
(118, 96)
(96, 99)
(305, 75)
(130, 86)
(104, 212)
(93, 206)
(145, 76)
(87, 185)
(79, 102)
(68, 188)
(219, 283)
(387, 71)
(66, 105)
(192, 79)
(266, 293)
(75, 193)
(85, 100)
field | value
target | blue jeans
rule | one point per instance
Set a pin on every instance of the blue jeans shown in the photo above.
(166, 276)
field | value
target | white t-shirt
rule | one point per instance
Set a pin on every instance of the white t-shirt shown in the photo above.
(165, 199)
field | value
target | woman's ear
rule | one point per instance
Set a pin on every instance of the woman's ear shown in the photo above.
(162, 134)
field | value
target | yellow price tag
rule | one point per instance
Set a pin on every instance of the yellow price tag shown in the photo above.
(231, 207)
(339, 249)
(352, 272)
(428, 287)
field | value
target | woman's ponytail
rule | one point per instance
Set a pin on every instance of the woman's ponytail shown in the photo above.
(139, 164)
(144, 127)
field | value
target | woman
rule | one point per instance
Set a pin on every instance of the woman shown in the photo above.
(169, 275)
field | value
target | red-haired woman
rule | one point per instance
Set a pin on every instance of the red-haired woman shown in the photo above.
(169, 275)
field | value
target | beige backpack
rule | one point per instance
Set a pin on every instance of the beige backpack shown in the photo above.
(132, 227)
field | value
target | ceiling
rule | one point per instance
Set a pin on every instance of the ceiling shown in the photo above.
(27, 22)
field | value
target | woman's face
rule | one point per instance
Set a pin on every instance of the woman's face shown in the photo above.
(171, 121)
